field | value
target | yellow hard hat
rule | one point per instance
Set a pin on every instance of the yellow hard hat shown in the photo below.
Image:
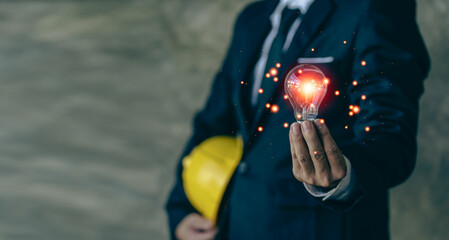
(207, 171)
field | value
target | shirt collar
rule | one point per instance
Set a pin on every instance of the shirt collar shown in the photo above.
(302, 5)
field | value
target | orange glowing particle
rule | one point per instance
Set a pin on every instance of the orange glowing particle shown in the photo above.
(313, 49)
(321, 121)
(241, 82)
(267, 75)
(300, 71)
(326, 81)
(267, 105)
(344, 42)
(367, 128)
(285, 96)
(278, 65)
(286, 125)
(351, 107)
(315, 152)
(274, 108)
(273, 71)
(346, 127)
(275, 79)
(351, 113)
(337, 93)
(354, 83)
(260, 129)
(363, 63)
(363, 97)
(260, 90)
(356, 109)
(298, 116)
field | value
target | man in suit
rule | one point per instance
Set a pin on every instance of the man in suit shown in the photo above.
(313, 180)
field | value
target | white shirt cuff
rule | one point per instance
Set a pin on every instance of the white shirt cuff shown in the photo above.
(341, 192)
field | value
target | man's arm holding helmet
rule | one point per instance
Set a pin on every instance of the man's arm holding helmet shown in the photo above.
(216, 118)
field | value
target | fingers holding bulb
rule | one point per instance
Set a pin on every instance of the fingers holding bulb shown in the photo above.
(300, 152)
(315, 155)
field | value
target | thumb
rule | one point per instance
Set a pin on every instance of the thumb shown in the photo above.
(199, 222)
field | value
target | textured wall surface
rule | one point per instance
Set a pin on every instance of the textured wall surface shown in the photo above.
(96, 101)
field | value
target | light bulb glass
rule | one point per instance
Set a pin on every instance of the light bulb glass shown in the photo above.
(305, 86)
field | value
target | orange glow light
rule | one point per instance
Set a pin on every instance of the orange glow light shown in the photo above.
(299, 71)
(351, 107)
(346, 127)
(367, 128)
(337, 93)
(260, 90)
(321, 121)
(351, 113)
(363, 97)
(354, 83)
(273, 71)
(285, 96)
(267, 105)
(298, 116)
(363, 63)
(344, 42)
(267, 75)
(308, 88)
(286, 125)
(275, 79)
(356, 109)
(313, 49)
(278, 65)
(274, 108)
(241, 82)
(326, 81)
(260, 129)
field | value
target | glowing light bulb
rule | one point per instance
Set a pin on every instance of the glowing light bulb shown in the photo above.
(305, 86)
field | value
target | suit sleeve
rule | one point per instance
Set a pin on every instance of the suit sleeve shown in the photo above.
(383, 148)
(216, 118)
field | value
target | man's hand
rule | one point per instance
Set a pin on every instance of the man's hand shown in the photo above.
(195, 227)
(317, 160)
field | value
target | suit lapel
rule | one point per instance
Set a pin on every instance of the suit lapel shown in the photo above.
(257, 28)
(310, 25)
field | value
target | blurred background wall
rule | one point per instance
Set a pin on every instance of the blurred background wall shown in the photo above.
(96, 101)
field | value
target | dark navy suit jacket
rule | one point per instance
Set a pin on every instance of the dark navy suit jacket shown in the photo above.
(264, 200)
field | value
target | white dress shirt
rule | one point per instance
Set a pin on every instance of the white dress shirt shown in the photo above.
(346, 185)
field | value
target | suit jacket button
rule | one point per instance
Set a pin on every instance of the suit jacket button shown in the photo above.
(243, 168)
